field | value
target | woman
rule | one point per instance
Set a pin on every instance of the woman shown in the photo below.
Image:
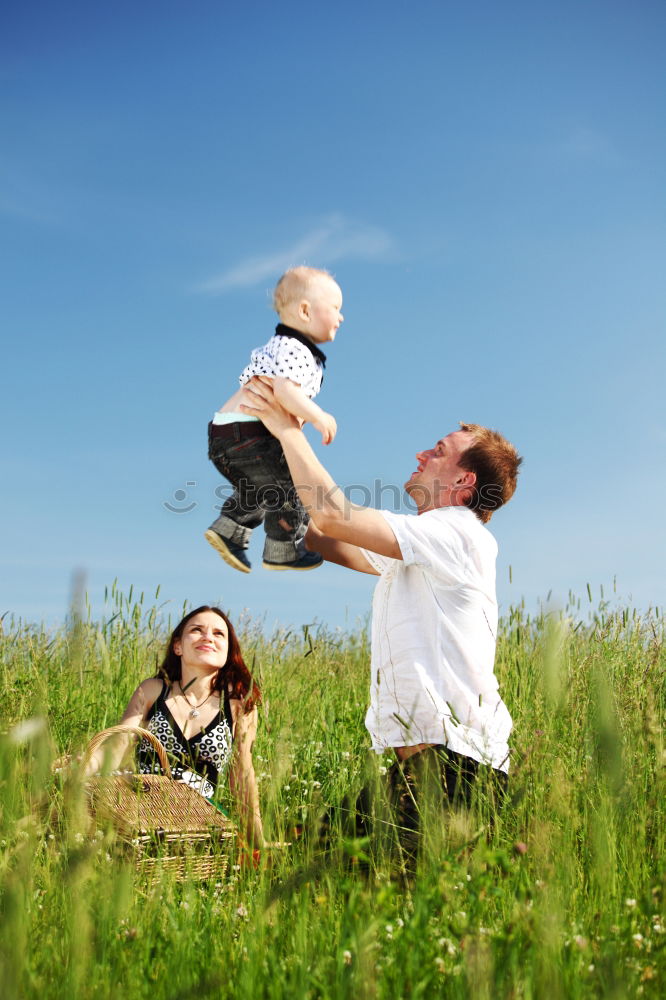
(201, 706)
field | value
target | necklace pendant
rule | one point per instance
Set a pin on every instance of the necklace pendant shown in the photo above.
(194, 714)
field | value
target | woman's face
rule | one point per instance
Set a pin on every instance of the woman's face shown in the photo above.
(204, 642)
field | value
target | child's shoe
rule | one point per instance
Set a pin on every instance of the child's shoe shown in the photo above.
(308, 560)
(232, 553)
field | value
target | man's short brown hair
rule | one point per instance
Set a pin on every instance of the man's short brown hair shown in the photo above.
(495, 463)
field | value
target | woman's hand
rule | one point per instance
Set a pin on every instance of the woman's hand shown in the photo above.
(266, 407)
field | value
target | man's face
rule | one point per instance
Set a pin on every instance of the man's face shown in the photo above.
(438, 480)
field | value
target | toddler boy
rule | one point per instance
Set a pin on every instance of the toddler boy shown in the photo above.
(308, 302)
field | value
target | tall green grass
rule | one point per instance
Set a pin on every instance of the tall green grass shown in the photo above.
(559, 896)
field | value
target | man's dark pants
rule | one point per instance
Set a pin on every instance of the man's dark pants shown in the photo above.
(423, 789)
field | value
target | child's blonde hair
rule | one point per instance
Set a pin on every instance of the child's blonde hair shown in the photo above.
(294, 285)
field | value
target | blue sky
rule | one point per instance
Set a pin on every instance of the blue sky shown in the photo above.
(485, 180)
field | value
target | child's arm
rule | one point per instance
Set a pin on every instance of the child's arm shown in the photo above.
(293, 399)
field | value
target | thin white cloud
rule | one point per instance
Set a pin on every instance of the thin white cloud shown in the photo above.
(584, 143)
(334, 239)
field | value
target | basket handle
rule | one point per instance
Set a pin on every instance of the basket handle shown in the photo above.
(146, 734)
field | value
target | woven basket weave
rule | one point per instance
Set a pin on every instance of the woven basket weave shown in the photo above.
(165, 825)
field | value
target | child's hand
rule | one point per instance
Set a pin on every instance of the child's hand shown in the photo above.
(327, 427)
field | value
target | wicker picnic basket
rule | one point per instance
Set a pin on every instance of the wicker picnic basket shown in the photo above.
(163, 824)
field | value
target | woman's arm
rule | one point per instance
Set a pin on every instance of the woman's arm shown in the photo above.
(114, 749)
(242, 780)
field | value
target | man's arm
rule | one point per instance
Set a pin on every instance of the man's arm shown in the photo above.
(335, 551)
(331, 511)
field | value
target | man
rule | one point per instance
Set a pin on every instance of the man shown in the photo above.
(434, 609)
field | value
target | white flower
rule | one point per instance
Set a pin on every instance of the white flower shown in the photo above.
(241, 911)
(27, 730)
(630, 903)
(347, 957)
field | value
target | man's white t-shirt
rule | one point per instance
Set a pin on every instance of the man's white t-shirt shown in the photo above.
(434, 627)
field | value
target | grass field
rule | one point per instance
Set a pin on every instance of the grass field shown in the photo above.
(562, 896)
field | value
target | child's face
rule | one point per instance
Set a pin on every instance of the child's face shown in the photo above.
(321, 313)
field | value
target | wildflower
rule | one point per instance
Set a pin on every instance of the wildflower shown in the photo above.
(316, 784)
(440, 964)
(400, 922)
(638, 940)
(389, 929)
(581, 942)
(26, 730)
(590, 967)
(241, 911)
(347, 957)
(630, 903)
(520, 847)
(184, 905)
(78, 838)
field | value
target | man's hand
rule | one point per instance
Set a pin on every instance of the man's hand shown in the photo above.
(327, 427)
(266, 407)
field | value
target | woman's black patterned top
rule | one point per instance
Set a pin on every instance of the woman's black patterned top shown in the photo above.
(198, 760)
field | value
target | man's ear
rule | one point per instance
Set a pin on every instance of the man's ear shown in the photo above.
(466, 478)
(304, 310)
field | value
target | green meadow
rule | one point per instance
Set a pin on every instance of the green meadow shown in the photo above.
(559, 895)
